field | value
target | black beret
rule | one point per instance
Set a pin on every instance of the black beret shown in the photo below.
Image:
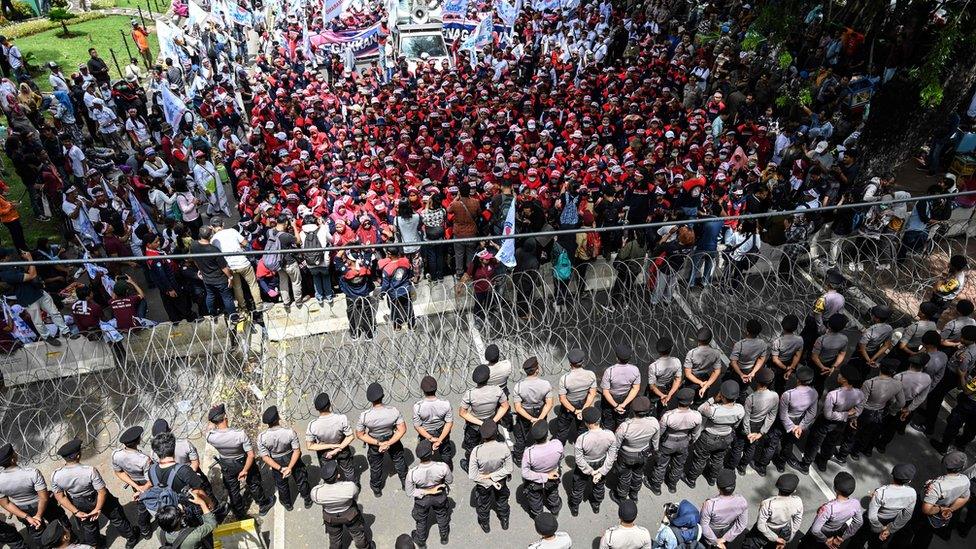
(881, 312)
(685, 396)
(428, 384)
(730, 389)
(481, 374)
(903, 472)
(837, 322)
(787, 483)
(591, 415)
(70, 449)
(424, 449)
(623, 351)
(404, 541)
(488, 429)
(844, 483)
(640, 404)
(919, 359)
(627, 512)
(530, 365)
(374, 392)
(954, 461)
(546, 524)
(6, 453)
(805, 374)
(217, 413)
(835, 278)
(704, 334)
(850, 373)
(765, 376)
(968, 333)
(329, 469)
(790, 323)
(725, 479)
(491, 353)
(664, 345)
(322, 402)
(160, 426)
(539, 430)
(929, 309)
(130, 435)
(52, 534)
(270, 415)
(576, 356)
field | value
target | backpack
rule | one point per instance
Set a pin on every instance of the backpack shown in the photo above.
(688, 538)
(312, 259)
(272, 262)
(160, 494)
(176, 543)
(562, 268)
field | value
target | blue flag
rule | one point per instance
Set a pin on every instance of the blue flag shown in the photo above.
(506, 255)
(480, 37)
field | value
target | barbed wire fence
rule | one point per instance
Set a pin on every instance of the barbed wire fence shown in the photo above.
(93, 390)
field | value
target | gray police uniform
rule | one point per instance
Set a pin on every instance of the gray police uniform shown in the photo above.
(380, 422)
(333, 428)
(494, 459)
(637, 438)
(760, 408)
(423, 476)
(232, 446)
(785, 347)
(21, 485)
(830, 431)
(661, 374)
(702, 361)
(340, 510)
(279, 443)
(943, 491)
(891, 507)
(618, 380)
(135, 464)
(538, 462)
(836, 518)
(433, 414)
(724, 517)
(678, 428)
(884, 397)
(81, 484)
(575, 386)
(482, 402)
(747, 352)
(596, 452)
(531, 393)
(828, 347)
(779, 517)
(797, 408)
(719, 422)
(872, 338)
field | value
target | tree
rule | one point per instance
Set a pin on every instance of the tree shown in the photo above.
(59, 14)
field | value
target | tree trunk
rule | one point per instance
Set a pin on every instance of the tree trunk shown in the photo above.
(64, 28)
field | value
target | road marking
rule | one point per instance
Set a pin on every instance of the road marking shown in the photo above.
(479, 344)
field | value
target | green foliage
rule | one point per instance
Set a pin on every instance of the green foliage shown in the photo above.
(21, 11)
(785, 59)
(795, 97)
(59, 4)
(102, 4)
(707, 38)
(36, 26)
(752, 40)
(61, 16)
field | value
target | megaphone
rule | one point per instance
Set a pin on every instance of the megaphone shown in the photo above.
(420, 14)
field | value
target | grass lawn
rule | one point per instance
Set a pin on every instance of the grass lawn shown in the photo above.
(101, 34)
(33, 229)
(161, 6)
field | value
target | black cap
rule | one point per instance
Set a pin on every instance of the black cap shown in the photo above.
(217, 413)
(929, 309)
(539, 430)
(160, 426)
(488, 429)
(52, 534)
(725, 479)
(481, 374)
(790, 322)
(881, 312)
(131, 435)
(664, 345)
(428, 384)
(850, 373)
(270, 415)
(576, 356)
(546, 524)
(530, 365)
(931, 337)
(805, 374)
(837, 322)
(835, 278)
(787, 483)
(954, 461)
(404, 541)
(492, 353)
(322, 402)
(591, 415)
(374, 392)
(968, 333)
(919, 359)
(6, 454)
(765, 376)
(844, 483)
(70, 449)
(704, 334)
(329, 469)
(627, 512)
(424, 450)
(640, 405)
(729, 389)
(623, 351)
(903, 472)
(685, 396)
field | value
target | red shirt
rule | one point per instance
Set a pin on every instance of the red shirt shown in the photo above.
(124, 310)
(86, 314)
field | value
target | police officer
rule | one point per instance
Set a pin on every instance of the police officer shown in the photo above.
(724, 517)
(479, 403)
(547, 526)
(577, 390)
(132, 467)
(838, 519)
(961, 362)
(340, 509)
(663, 377)
(785, 352)
(911, 339)
(963, 414)
(637, 438)
(533, 402)
(829, 351)
(841, 408)
(236, 458)
(541, 471)
(185, 454)
(491, 467)
(81, 492)
(619, 386)
(281, 451)
(56, 535)
(626, 535)
(678, 427)
(916, 385)
(24, 494)
(499, 370)
(721, 416)
(433, 419)
(890, 510)
(330, 436)
(951, 333)
(797, 412)
(779, 517)
(595, 454)
(875, 341)
(760, 408)
(748, 356)
(428, 483)
(944, 496)
(884, 397)
(831, 302)
(381, 427)
(703, 365)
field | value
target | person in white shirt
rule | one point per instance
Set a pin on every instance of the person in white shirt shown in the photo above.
(230, 240)
(626, 535)
(155, 165)
(57, 79)
(207, 181)
(137, 129)
(546, 526)
(108, 126)
(741, 246)
(76, 158)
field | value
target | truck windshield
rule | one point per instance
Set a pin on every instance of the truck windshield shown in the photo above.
(412, 46)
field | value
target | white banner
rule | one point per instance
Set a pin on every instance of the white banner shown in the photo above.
(332, 8)
(167, 44)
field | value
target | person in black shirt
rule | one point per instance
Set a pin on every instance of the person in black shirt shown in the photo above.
(97, 67)
(187, 481)
(290, 274)
(216, 274)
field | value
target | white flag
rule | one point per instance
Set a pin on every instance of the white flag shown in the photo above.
(506, 255)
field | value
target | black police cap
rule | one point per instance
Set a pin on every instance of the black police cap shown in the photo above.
(404, 541)
(837, 322)
(850, 373)
(530, 365)
(664, 345)
(322, 402)
(627, 512)
(623, 351)
(591, 415)
(424, 450)
(6, 454)
(787, 483)
(903, 472)
(329, 469)
(70, 449)
(729, 389)
(640, 405)
(270, 415)
(488, 429)
(53, 534)
(131, 435)
(704, 334)
(576, 356)
(160, 426)
(835, 278)
(481, 374)
(685, 396)
(374, 392)
(725, 479)
(805, 374)
(881, 312)
(968, 333)
(765, 376)
(929, 309)
(217, 413)
(539, 430)
(790, 323)
(919, 360)
(546, 524)
(492, 353)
